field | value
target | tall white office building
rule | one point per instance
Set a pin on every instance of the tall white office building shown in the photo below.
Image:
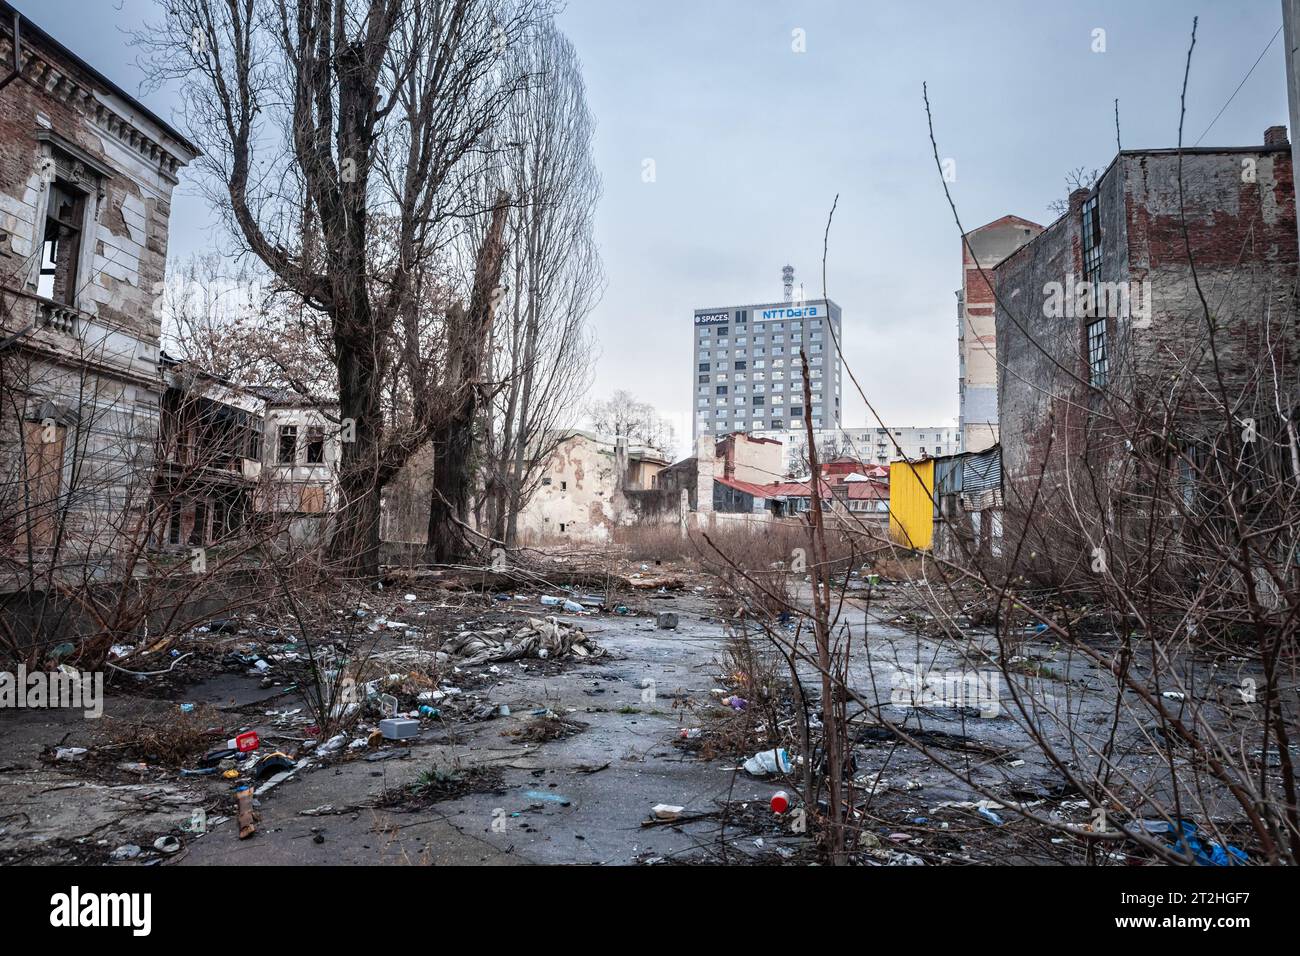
(748, 370)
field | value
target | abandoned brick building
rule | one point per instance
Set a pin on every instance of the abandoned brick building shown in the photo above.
(1144, 324)
(86, 180)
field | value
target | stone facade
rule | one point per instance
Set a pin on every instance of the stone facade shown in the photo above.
(86, 180)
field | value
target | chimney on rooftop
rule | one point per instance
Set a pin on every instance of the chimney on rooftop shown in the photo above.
(1077, 198)
(1276, 136)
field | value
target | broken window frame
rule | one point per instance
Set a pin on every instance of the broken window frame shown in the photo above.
(315, 445)
(58, 267)
(286, 440)
(1098, 352)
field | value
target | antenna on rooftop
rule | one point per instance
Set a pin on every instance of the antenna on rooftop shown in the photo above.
(787, 280)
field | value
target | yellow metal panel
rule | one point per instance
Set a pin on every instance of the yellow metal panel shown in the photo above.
(911, 505)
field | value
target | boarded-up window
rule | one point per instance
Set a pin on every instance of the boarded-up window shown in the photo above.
(43, 446)
(312, 499)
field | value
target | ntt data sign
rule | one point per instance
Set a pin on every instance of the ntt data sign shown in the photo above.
(712, 318)
(790, 312)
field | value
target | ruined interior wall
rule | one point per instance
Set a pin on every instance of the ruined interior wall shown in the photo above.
(579, 502)
(752, 460)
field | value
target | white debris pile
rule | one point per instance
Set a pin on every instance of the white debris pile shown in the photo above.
(536, 637)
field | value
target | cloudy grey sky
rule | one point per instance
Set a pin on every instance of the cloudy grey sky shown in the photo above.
(751, 141)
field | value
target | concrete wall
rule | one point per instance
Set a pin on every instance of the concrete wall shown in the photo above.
(576, 500)
(982, 249)
(755, 460)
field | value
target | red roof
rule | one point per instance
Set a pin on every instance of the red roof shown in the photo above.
(748, 487)
(867, 489)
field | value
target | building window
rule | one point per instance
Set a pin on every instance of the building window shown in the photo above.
(704, 366)
(199, 530)
(1098, 360)
(1091, 252)
(564, 486)
(722, 390)
(315, 445)
(174, 524)
(704, 380)
(288, 449)
(61, 244)
(740, 364)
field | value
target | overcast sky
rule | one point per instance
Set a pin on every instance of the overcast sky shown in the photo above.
(751, 141)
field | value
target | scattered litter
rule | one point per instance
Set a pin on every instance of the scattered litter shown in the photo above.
(247, 818)
(272, 763)
(548, 797)
(167, 844)
(1205, 854)
(127, 851)
(573, 607)
(667, 620)
(399, 728)
(768, 762)
(666, 811)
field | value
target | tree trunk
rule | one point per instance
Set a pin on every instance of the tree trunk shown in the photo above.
(453, 439)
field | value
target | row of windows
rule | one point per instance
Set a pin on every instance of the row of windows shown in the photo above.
(776, 409)
(741, 365)
(287, 448)
(757, 424)
(758, 387)
(758, 357)
(762, 326)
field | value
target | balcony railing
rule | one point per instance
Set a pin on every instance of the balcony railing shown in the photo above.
(56, 317)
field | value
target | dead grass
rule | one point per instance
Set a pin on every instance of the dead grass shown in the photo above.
(176, 740)
(546, 728)
(438, 784)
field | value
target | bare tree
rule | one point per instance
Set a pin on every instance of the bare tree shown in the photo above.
(622, 414)
(317, 118)
(543, 349)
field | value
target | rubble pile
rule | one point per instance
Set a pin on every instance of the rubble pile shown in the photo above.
(538, 637)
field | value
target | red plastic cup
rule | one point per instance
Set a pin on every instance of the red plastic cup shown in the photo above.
(780, 802)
